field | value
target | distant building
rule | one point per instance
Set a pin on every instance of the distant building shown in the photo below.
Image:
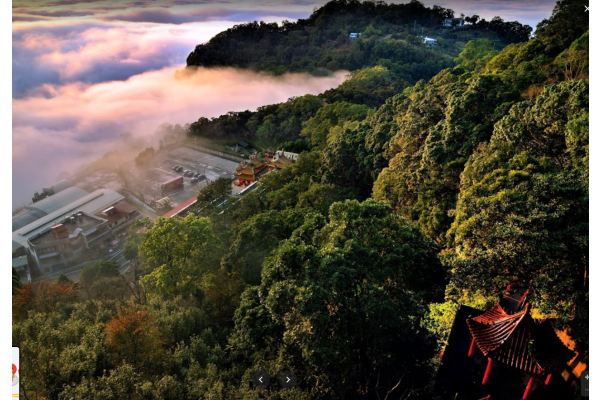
(65, 242)
(48, 205)
(20, 265)
(429, 42)
(58, 238)
(250, 171)
(244, 145)
(354, 36)
(118, 214)
(453, 22)
(279, 159)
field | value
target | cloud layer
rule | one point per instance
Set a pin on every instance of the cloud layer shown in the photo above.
(59, 127)
(100, 52)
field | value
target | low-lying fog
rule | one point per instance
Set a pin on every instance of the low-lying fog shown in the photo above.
(57, 128)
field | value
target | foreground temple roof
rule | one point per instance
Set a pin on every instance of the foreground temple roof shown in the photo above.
(519, 341)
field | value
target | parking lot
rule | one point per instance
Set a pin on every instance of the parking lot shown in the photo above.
(146, 180)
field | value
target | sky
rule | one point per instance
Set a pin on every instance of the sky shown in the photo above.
(85, 72)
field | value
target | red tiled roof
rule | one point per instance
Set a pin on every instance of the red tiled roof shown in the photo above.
(519, 341)
(186, 204)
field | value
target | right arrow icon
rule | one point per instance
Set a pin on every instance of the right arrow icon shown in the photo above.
(288, 379)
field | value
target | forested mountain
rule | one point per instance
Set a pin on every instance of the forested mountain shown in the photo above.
(348, 266)
(321, 42)
(388, 56)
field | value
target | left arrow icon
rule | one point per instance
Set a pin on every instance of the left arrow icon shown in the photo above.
(261, 379)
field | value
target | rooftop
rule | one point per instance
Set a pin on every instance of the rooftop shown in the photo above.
(519, 341)
(510, 349)
(75, 226)
(459, 376)
(91, 204)
(46, 206)
(119, 211)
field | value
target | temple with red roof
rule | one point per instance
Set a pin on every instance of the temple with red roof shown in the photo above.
(507, 339)
(251, 170)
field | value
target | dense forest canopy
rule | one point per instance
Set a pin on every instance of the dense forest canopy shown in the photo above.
(321, 42)
(409, 198)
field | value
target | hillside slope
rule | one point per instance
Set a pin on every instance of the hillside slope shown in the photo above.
(391, 35)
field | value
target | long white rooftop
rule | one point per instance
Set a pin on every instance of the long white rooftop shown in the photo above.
(91, 204)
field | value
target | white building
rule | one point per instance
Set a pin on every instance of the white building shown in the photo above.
(450, 22)
(41, 208)
(430, 41)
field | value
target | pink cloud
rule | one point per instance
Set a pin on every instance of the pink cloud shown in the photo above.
(93, 54)
(63, 126)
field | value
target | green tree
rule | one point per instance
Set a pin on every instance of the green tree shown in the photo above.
(257, 237)
(135, 236)
(64, 279)
(477, 54)
(122, 383)
(523, 209)
(214, 194)
(145, 156)
(574, 62)
(94, 272)
(57, 349)
(318, 127)
(347, 292)
(178, 254)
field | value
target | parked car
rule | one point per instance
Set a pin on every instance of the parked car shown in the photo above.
(179, 169)
(201, 177)
(194, 180)
(175, 167)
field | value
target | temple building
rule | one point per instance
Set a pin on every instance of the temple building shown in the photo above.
(250, 171)
(505, 353)
(279, 160)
